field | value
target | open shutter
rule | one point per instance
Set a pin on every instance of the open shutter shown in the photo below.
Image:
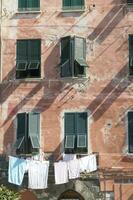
(66, 68)
(33, 4)
(130, 131)
(21, 129)
(81, 127)
(22, 55)
(79, 56)
(34, 54)
(70, 130)
(34, 129)
(22, 5)
(131, 54)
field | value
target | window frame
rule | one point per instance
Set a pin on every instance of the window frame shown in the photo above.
(26, 138)
(28, 73)
(77, 150)
(128, 143)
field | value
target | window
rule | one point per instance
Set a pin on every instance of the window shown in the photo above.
(73, 4)
(73, 57)
(130, 131)
(75, 128)
(28, 5)
(130, 54)
(28, 58)
(28, 132)
(130, 2)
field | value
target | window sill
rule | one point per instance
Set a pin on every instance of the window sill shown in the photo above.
(75, 79)
(73, 10)
(29, 79)
(29, 12)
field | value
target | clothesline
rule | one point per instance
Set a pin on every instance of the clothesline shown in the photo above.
(68, 168)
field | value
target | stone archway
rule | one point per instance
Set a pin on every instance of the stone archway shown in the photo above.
(70, 195)
(27, 195)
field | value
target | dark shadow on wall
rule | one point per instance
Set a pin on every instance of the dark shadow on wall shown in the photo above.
(109, 94)
(108, 23)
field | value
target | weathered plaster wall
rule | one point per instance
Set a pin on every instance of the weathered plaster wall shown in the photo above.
(106, 92)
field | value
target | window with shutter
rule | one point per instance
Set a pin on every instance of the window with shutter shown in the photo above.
(130, 2)
(130, 54)
(28, 58)
(28, 5)
(73, 57)
(28, 133)
(75, 128)
(73, 5)
(130, 132)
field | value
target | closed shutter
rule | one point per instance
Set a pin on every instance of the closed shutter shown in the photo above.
(66, 4)
(22, 55)
(79, 56)
(131, 54)
(34, 54)
(34, 129)
(66, 68)
(70, 130)
(81, 119)
(77, 4)
(22, 5)
(33, 4)
(130, 2)
(21, 130)
(130, 132)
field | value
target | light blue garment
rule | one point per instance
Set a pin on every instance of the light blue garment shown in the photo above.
(17, 168)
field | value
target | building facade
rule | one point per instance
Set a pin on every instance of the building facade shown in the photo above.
(66, 86)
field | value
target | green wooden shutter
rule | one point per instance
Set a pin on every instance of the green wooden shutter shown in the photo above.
(70, 130)
(66, 4)
(130, 2)
(22, 5)
(34, 129)
(77, 4)
(34, 54)
(131, 54)
(66, 69)
(81, 129)
(79, 56)
(21, 129)
(22, 55)
(130, 132)
(33, 4)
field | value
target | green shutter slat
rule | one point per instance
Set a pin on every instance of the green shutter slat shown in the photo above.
(130, 131)
(77, 4)
(81, 123)
(66, 4)
(22, 50)
(66, 69)
(21, 124)
(33, 4)
(22, 4)
(34, 129)
(34, 50)
(130, 54)
(70, 128)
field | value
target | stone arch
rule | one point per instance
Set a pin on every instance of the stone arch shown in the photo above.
(26, 194)
(70, 194)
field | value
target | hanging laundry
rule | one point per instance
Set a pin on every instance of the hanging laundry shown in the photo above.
(16, 170)
(38, 174)
(68, 157)
(73, 169)
(61, 172)
(88, 163)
